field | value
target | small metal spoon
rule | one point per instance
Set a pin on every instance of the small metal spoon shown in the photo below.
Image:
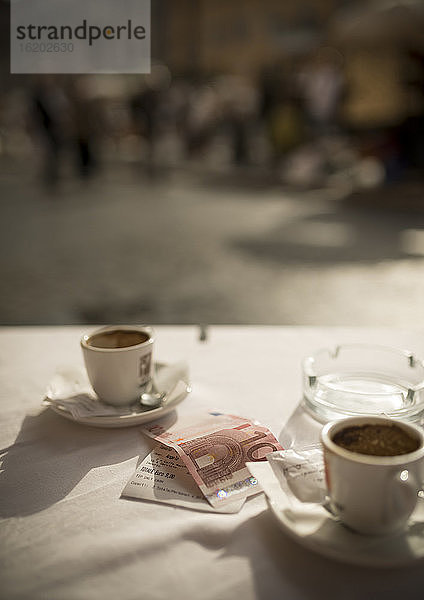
(152, 399)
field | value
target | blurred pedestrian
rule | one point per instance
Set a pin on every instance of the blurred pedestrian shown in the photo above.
(86, 124)
(49, 109)
(240, 106)
(145, 107)
(281, 113)
(321, 87)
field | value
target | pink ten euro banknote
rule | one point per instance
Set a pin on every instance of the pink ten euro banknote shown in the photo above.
(215, 447)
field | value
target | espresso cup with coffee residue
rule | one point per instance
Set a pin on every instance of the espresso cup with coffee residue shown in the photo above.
(119, 361)
(374, 471)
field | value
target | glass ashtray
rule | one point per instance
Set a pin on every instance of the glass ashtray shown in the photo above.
(360, 379)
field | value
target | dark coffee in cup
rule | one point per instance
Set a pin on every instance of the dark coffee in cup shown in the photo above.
(376, 440)
(117, 338)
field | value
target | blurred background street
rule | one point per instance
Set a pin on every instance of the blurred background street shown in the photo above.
(269, 170)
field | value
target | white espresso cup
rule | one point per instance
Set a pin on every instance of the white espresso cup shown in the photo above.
(119, 361)
(372, 494)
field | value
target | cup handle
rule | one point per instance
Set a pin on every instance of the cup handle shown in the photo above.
(403, 495)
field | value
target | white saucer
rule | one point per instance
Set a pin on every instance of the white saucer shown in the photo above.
(315, 528)
(132, 415)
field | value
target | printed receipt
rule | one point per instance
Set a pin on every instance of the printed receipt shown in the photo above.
(163, 477)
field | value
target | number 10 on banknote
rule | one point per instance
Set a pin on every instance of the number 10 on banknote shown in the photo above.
(215, 448)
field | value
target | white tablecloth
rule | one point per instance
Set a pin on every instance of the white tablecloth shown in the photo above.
(66, 534)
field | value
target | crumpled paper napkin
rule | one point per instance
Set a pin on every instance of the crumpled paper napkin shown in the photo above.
(297, 474)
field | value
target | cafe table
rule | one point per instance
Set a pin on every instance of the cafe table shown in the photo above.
(65, 532)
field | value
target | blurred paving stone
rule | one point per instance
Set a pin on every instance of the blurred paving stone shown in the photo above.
(181, 249)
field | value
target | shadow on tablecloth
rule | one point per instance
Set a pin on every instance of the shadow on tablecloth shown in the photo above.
(51, 455)
(279, 566)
